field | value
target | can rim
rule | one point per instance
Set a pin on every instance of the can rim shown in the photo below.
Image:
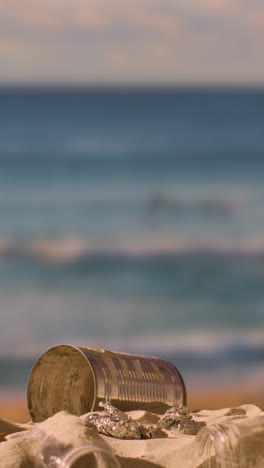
(34, 366)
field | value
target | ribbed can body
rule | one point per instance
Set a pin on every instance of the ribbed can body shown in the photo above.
(76, 379)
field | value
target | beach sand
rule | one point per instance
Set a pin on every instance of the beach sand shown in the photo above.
(14, 408)
(169, 448)
(224, 399)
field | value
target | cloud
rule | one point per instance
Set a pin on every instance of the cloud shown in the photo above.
(141, 16)
(216, 5)
(167, 40)
(51, 15)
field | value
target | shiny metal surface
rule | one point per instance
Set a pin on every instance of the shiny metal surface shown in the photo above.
(76, 379)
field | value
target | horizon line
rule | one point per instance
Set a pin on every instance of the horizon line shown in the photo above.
(56, 85)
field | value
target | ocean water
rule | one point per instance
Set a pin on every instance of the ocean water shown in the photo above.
(132, 219)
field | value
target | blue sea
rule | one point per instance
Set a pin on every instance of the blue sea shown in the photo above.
(133, 219)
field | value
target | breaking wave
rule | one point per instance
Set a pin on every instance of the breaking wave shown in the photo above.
(75, 249)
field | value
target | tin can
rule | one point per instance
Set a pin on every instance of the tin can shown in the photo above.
(76, 379)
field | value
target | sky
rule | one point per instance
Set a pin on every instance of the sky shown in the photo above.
(132, 41)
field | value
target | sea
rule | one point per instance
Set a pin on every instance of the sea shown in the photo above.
(132, 219)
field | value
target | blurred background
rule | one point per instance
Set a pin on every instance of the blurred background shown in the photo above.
(131, 187)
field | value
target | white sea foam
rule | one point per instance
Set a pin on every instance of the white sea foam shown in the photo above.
(201, 343)
(68, 249)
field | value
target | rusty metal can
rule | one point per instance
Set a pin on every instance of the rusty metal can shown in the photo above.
(76, 379)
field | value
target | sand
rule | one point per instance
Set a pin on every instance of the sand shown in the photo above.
(15, 409)
(174, 449)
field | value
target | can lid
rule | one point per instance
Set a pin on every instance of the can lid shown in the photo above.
(61, 379)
